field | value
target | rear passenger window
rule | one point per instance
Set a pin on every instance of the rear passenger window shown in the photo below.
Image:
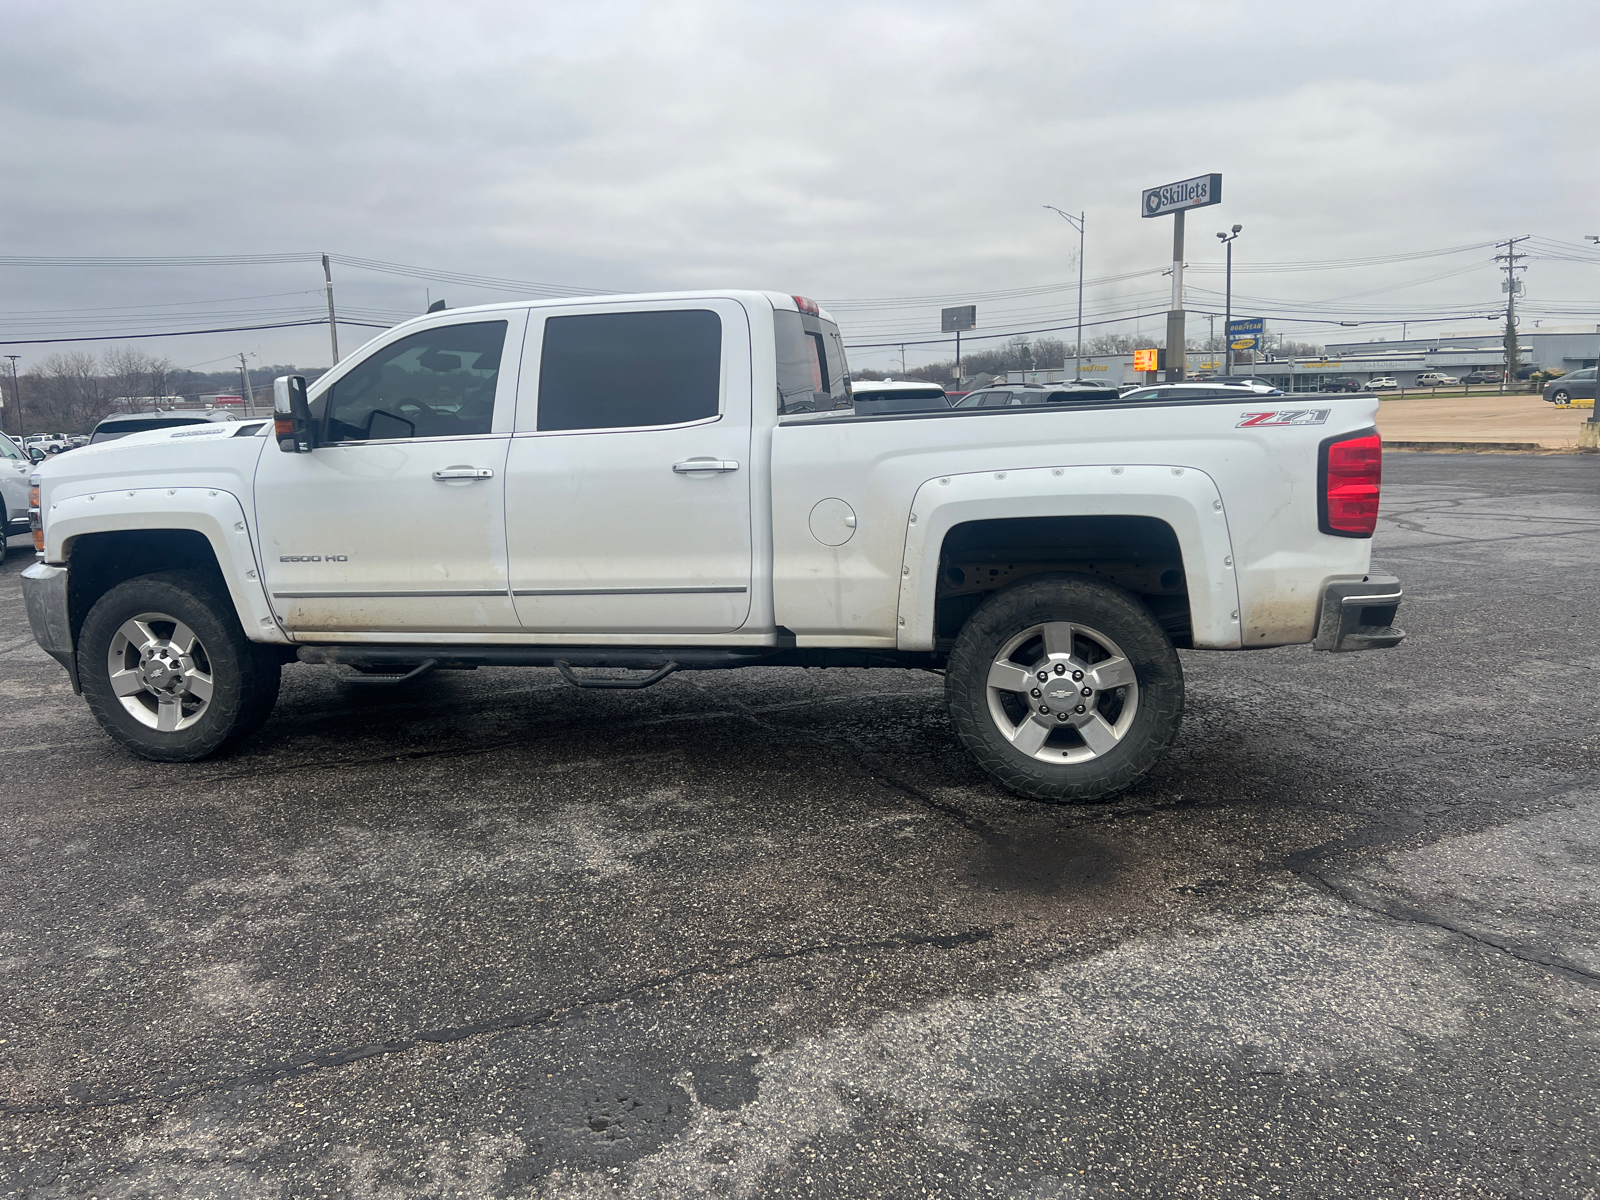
(624, 370)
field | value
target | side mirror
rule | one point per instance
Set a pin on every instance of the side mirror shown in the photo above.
(36, 454)
(291, 414)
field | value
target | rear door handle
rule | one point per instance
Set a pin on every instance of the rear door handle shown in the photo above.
(694, 466)
(464, 473)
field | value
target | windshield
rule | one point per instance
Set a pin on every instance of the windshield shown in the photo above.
(811, 364)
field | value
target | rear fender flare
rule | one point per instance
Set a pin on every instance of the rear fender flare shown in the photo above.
(1184, 497)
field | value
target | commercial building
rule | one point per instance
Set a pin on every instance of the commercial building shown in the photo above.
(1557, 349)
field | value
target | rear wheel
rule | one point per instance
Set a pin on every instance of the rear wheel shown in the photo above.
(1064, 688)
(167, 670)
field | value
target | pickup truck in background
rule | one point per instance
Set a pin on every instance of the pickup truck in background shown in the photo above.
(679, 482)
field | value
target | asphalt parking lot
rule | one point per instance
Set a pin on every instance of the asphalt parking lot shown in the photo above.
(770, 933)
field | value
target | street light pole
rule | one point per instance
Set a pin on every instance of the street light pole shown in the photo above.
(1077, 222)
(16, 396)
(1227, 302)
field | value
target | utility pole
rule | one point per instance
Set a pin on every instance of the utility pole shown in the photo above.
(1077, 222)
(1177, 337)
(16, 395)
(1512, 283)
(249, 392)
(333, 325)
(1227, 304)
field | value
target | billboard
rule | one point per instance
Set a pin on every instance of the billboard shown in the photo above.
(1147, 360)
(1175, 197)
(953, 320)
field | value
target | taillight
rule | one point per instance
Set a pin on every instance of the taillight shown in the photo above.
(1351, 472)
(806, 306)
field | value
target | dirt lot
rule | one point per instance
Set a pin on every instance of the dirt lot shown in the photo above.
(771, 934)
(1488, 418)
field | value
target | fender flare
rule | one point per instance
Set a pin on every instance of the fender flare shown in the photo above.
(215, 514)
(1186, 498)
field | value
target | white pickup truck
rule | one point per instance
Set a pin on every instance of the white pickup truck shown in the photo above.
(680, 482)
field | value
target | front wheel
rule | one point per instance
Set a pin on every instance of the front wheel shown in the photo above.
(167, 670)
(1560, 398)
(1064, 688)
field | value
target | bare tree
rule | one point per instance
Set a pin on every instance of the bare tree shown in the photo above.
(65, 393)
(133, 377)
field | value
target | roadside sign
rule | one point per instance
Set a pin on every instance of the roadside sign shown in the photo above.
(1147, 360)
(1176, 197)
(953, 320)
(1246, 326)
(1244, 343)
(225, 401)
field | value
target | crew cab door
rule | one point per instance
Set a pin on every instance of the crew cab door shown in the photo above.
(628, 479)
(395, 523)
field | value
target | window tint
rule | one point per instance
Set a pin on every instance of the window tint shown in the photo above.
(622, 370)
(437, 383)
(811, 372)
(8, 448)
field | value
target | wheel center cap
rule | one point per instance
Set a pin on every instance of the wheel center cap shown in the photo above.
(163, 672)
(1061, 689)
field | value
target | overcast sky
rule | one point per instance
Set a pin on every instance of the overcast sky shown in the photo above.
(843, 151)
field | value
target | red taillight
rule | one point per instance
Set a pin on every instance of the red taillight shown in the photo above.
(1352, 469)
(806, 306)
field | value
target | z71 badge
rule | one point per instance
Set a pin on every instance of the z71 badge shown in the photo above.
(1287, 416)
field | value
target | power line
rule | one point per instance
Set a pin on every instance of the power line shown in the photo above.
(122, 337)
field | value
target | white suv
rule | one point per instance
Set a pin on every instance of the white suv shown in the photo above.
(1384, 384)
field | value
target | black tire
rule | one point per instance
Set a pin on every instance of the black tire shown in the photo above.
(244, 676)
(1102, 609)
(1560, 398)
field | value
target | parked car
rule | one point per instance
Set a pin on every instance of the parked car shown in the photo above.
(1254, 382)
(1436, 379)
(1208, 390)
(1382, 384)
(120, 425)
(1344, 383)
(1577, 385)
(431, 505)
(15, 467)
(873, 397)
(1483, 377)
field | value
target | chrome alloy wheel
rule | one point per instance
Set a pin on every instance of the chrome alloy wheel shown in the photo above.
(1062, 692)
(160, 672)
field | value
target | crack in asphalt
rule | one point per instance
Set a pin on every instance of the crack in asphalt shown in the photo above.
(1409, 915)
(304, 1064)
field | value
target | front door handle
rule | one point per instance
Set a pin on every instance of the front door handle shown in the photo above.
(464, 473)
(694, 466)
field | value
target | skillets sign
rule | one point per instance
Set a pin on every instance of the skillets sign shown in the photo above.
(1174, 197)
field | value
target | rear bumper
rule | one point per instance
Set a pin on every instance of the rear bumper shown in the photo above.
(1358, 614)
(44, 594)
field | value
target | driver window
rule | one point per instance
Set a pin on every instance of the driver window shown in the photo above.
(8, 449)
(437, 383)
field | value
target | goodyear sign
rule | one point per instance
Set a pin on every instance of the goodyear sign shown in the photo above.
(1244, 333)
(1174, 197)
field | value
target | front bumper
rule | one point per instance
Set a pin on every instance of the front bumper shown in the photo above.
(1358, 614)
(44, 594)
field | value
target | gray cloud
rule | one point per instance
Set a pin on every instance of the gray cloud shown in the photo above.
(840, 150)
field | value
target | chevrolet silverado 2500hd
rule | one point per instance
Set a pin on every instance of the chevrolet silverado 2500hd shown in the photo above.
(679, 482)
